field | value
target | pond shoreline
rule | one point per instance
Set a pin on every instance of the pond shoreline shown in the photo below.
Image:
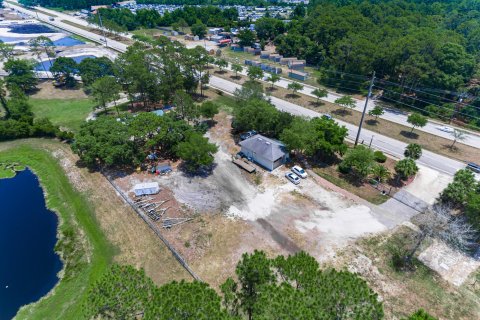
(76, 228)
(18, 168)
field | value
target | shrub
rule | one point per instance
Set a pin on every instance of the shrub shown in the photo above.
(344, 168)
(379, 156)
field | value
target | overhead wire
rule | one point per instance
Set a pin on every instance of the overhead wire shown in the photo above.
(431, 94)
(430, 103)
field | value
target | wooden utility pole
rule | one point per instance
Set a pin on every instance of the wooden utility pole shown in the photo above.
(365, 108)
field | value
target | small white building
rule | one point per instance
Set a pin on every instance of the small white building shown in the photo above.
(268, 153)
(146, 188)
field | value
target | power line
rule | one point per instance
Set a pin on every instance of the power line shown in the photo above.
(443, 98)
(417, 99)
(422, 90)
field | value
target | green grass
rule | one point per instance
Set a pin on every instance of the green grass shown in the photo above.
(69, 113)
(84, 249)
(226, 103)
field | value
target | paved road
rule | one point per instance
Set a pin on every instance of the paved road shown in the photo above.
(386, 144)
(389, 145)
(64, 26)
(394, 115)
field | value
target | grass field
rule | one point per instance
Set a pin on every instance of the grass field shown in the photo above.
(69, 113)
(84, 249)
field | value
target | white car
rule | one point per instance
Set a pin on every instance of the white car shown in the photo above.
(292, 177)
(445, 129)
(300, 172)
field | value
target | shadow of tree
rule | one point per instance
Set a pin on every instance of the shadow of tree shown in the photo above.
(271, 89)
(408, 134)
(316, 104)
(202, 172)
(292, 96)
(341, 112)
(371, 122)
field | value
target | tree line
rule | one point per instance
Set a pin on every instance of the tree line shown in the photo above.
(124, 20)
(86, 4)
(67, 4)
(417, 45)
(292, 287)
(19, 121)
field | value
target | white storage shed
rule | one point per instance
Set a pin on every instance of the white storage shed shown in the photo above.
(146, 188)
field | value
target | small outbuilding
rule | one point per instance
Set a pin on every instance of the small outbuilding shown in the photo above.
(146, 188)
(268, 153)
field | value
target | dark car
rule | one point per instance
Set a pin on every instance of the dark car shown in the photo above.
(474, 167)
(249, 134)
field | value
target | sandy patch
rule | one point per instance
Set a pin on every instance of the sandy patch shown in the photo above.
(450, 264)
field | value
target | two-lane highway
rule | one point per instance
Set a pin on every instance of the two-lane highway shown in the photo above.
(386, 144)
(380, 142)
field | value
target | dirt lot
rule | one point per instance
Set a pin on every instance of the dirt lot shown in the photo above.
(46, 90)
(235, 212)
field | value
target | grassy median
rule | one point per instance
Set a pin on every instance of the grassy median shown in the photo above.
(84, 249)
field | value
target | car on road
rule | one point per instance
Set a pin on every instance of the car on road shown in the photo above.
(299, 172)
(474, 167)
(249, 134)
(445, 129)
(327, 116)
(292, 177)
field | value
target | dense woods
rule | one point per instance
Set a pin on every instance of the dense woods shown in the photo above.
(287, 287)
(425, 53)
(124, 19)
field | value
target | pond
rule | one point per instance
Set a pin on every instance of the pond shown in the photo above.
(28, 233)
(33, 28)
(45, 65)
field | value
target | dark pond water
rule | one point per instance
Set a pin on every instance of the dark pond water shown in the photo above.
(28, 233)
(46, 64)
(30, 28)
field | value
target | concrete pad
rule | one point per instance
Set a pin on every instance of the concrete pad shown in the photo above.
(453, 266)
(428, 184)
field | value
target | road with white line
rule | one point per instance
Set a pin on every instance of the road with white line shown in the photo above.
(380, 142)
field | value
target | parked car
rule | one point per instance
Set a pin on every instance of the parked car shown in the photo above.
(474, 167)
(292, 177)
(445, 129)
(299, 172)
(249, 134)
(327, 116)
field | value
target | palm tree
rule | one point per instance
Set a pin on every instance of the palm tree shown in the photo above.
(459, 135)
(413, 151)
(381, 173)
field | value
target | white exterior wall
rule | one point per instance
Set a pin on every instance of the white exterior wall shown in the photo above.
(258, 159)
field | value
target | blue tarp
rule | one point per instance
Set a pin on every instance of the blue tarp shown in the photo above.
(164, 168)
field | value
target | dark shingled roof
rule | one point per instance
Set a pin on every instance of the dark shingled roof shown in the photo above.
(265, 147)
